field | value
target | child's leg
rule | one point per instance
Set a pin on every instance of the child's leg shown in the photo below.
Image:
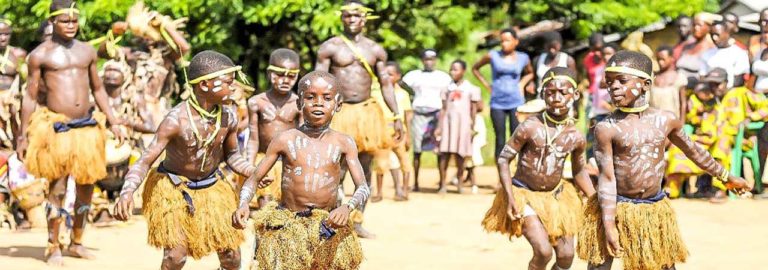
(442, 162)
(459, 171)
(564, 253)
(174, 258)
(537, 236)
(398, 189)
(379, 184)
(57, 190)
(229, 259)
(416, 165)
(82, 207)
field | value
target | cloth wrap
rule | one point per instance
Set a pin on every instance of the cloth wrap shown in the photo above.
(300, 240)
(171, 223)
(365, 123)
(559, 211)
(60, 146)
(648, 233)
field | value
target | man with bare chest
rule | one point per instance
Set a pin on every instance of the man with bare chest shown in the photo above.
(185, 201)
(63, 136)
(272, 113)
(353, 57)
(630, 217)
(307, 229)
(11, 69)
(538, 203)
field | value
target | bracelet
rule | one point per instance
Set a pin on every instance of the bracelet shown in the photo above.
(724, 176)
(351, 205)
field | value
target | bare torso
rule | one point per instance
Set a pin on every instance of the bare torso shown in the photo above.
(185, 155)
(274, 117)
(311, 169)
(7, 75)
(638, 143)
(65, 71)
(356, 85)
(543, 172)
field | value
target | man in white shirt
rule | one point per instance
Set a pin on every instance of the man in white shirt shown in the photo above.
(426, 85)
(732, 58)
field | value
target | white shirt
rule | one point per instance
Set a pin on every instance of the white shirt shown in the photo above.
(733, 59)
(427, 87)
(760, 69)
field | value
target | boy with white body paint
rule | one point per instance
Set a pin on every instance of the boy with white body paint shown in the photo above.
(307, 229)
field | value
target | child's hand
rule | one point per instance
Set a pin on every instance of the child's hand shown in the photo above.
(265, 182)
(737, 184)
(438, 133)
(124, 207)
(339, 217)
(240, 217)
(513, 212)
(612, 243)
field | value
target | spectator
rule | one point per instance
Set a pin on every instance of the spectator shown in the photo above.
(684, 26)
(732, 22)
(690, 60)
(760, 41)
(668, 86)
(601, 107)
(426, 85)
(731, 58)
(552, 56)
(594, 63)
(508, 66)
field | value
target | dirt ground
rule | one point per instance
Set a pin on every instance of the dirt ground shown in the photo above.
(434, 232)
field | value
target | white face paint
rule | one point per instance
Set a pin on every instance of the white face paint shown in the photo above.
(638, 85)
(205, 89)
(635, 92)
(557, 110)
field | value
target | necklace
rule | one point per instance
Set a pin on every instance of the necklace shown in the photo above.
(205, 114)
(635, 109)
(550, 141)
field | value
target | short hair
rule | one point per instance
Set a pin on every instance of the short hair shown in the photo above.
(731, 14)
(41, 30)
(461, 63)
(561, 71)
(665, 48)
(552, 37)
(510, 31)
(595, 38)
(280, 55)
(308, 79)
(207, 62)
(613, 46)
(682, 17)
(395, 65)
(719, 23)
(61, 4)
(632, 59)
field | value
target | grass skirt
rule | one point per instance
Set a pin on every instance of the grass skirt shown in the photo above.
(78, 152)
(647, 232)
(289, 242)
(560, 213)
(170, 224)
(365, 123)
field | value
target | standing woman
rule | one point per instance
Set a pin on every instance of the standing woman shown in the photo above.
(507, 66)
(553, 56)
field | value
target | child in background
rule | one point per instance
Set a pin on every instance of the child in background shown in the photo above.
(478, 142)
(456, 121)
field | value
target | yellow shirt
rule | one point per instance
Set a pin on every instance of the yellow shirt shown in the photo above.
(403, 100)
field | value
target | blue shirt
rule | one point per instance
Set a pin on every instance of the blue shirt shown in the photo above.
(505, 92)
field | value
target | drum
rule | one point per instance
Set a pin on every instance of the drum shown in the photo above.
(28, 190)
(118, 160)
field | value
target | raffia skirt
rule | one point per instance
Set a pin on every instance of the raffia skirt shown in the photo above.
(648, 233)
(171, 225)
(291, 242)
(365, 123)
(78, 152)
(559, 211)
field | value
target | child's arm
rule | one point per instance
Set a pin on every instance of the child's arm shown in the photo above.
(508, 153)
(340, 216)
(235, 159)
(250, 185)
(703, 159)
(443, 116)
(606, 187)
(253, 126)
(169, 128)
(580, 176)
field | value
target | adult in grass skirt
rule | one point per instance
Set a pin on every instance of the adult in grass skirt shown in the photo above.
(185, 201)
(272, 113)
(537, 203)
(630, 217)
(353, 56)
(12, 72)
(62, 136)
(307, 229)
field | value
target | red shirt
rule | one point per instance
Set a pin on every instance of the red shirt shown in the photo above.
(594, 70)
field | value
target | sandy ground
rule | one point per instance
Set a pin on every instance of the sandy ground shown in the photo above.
(435, 232)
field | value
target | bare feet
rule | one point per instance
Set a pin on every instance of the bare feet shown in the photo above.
(79, 251)
(53, 255)
(720, 197)
(376, 198)
(442, 191)
(363, 233)
(400, 198)
(416, 189)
